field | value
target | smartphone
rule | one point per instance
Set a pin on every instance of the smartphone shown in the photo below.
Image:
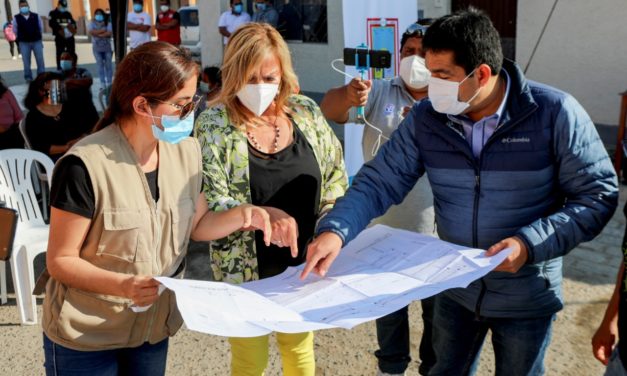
(378, 58)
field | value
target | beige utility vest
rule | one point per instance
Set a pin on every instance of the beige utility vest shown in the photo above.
(131, 234)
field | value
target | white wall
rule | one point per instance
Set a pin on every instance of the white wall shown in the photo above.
(434, 8)
(583, 51)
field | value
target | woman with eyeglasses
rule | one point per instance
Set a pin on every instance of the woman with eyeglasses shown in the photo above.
(125, 201)
(265, 145)
(386, 103)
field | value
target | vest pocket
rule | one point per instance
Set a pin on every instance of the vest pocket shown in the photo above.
(95, 320)
(182, 215)
(122, 234)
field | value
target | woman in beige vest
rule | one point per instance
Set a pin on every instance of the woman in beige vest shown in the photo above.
(125, 201)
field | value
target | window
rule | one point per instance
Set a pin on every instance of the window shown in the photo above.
(303, 20)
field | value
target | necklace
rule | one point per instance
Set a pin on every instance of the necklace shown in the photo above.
(275, 144)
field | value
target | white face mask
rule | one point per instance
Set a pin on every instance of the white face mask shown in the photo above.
(444, 96)
(414, 72)
(165, 8)
(257, 97)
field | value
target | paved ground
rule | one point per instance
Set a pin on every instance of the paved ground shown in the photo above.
(589, 277)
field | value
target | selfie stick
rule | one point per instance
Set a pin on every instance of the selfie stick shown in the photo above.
(362, 69)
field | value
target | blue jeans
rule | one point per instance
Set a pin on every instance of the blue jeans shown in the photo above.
(105, 67)
(145, 360)
(519, 344)
(393, 338)
(615, 366)
(38, 49)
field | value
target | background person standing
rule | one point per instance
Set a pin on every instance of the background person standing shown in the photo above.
(63, 28)
(265, 12)
(9, 35)
(231, 20)
(168, 24)
(138, 24)
(101, 32)
(28, 29)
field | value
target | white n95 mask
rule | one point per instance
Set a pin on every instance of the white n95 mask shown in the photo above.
(444, 96)
(414, 72)
(257, 97)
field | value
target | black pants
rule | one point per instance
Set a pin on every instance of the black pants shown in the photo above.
(12, 46)
(62, 45)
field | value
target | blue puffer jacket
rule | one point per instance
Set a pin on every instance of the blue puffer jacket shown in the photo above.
(544, 176)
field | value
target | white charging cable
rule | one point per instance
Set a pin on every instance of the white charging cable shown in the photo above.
(377, 143)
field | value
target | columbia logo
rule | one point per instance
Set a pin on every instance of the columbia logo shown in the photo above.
(511, 140)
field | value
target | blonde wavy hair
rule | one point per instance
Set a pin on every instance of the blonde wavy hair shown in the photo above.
(248, 46)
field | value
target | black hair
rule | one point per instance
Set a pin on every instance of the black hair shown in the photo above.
(73, 55)
(138, 2)
(421, 22)
(104, 15)
(23, 2)
(470, 35)
(3, 87)
(33, 96)
(214, 75)
(167, 1)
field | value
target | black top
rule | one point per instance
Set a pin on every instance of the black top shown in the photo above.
(72, 191)
(57, 18)
(288, 180)
(44, 131)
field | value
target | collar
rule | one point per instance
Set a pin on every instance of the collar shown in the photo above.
(460, 119)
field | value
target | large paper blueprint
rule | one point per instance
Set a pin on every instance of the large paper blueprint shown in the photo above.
(381, 271)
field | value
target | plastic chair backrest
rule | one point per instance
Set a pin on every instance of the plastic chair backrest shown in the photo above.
(16, 185)
(22, 127)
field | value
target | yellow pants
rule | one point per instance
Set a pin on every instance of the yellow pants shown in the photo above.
(249, 356)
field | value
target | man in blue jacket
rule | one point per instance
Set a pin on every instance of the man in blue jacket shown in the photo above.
(512, 164)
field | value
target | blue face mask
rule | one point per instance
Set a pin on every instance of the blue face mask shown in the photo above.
(237, 8)
(66, 65)
(62, 9)
(138, 8)
(99, 17)
(24, 10)
(260, 6)
(174, 129)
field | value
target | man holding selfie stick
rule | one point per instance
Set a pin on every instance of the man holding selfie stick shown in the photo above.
(386, 103)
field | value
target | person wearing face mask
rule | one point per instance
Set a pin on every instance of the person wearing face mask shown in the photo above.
(168, 24)
(63, 28)
(77, 82)
(101, 31)
(49, 123)
(103, 312)
(514, 165)
(28, 29)
(138, 24)
(386, 103)
(265, 12)
(231, 20)
(208, 88)
(263, 144)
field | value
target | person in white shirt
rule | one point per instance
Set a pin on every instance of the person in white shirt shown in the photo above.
(231, 20)
(138, 24)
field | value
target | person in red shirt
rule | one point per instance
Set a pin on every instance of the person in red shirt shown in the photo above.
(168, 24)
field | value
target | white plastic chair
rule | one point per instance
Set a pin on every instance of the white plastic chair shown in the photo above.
(44, 183)
(31, 238)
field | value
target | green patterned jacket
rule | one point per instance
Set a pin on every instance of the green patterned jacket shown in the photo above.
(227, 182)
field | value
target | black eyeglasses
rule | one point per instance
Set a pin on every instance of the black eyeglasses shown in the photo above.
(415, 30)
(185, 109)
